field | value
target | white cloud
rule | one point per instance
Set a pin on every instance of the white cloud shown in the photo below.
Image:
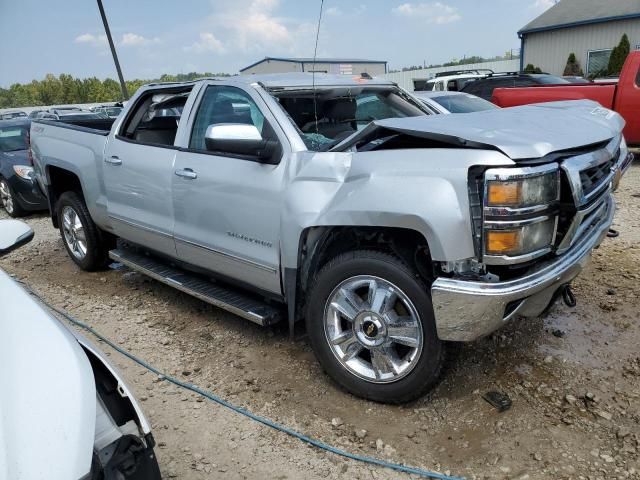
(333, 11)
(135, 40)
(90, 39)
(208, 43)
(542, 5)
(253, 26)
(435, 12)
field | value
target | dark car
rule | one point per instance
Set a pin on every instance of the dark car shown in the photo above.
(14, 114)
(484, 87)
(19, 192)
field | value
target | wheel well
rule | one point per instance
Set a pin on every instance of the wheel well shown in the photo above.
(60, 181)
(318, 245)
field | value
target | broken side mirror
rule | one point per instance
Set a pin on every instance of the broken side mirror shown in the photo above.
(13, 234)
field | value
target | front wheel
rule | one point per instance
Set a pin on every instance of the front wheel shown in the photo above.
(9, 201)
(371, 325)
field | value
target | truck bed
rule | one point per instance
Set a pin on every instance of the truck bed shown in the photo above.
(97, 126)
(511, 97)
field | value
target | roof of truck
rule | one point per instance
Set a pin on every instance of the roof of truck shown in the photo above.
(287, 80)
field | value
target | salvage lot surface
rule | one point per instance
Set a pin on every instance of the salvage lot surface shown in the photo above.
(573, 377)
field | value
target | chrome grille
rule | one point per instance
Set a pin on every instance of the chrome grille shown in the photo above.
(592, 178)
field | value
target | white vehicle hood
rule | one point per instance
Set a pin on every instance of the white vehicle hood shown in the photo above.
(525, 132)
(47, 393)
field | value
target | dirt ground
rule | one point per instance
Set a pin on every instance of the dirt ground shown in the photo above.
(573, 377)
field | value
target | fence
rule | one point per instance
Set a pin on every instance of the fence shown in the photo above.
(405, 79)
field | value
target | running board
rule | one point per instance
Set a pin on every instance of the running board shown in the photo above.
(234, 301)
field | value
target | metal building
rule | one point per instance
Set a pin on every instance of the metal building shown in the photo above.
(346, 66)
(588, 28)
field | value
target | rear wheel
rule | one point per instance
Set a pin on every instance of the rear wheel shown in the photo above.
(9, 201)
(81, 237)
(371, 325)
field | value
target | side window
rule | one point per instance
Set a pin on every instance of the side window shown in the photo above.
(226, 105)
(155, 117)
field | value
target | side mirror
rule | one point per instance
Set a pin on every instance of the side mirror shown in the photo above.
(240, 139)
(13, 234)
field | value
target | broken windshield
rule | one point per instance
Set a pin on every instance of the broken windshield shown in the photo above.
(339, 112)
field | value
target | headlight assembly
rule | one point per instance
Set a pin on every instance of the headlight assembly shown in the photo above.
(520, 189)
(24, 171)
(515, 239)
(520, 213)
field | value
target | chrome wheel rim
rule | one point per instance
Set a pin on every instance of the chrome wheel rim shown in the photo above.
(373, 329)
(73, 232)
(5, 196)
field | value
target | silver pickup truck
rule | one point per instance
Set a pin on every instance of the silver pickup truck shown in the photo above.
(339, 201)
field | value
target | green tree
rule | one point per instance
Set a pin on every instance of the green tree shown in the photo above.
(530, 68)
(66, 89)
(573, 67)
(619, 56)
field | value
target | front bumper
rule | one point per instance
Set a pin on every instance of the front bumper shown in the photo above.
(467, 310)
(28, 194)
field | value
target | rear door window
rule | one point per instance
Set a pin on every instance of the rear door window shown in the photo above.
(155, 117)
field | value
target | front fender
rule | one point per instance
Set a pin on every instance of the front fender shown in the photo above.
(425, 190)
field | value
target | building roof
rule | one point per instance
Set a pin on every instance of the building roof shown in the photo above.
(311, 60)
(572, 13)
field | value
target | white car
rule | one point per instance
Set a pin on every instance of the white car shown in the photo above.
(65, 413)
(453, 81)
(453, 102)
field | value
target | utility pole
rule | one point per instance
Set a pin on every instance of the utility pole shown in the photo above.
(123, 86)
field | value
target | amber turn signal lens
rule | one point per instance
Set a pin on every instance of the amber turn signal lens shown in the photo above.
(502, 241)
(505, 193)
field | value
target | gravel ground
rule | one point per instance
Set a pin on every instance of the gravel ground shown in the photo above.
(573, 377)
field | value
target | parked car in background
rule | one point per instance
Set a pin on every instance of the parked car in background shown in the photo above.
(111, 111)
(342, 202)
(66, 411)
(13, 114)
(19, 192)
(454, 102)
(622, 96)
(484, 87)
(60, 110)
(450, 81)
(35, 113)
(71, 115)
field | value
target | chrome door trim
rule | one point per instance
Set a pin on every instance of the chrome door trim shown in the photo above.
(142, 227)
(251, 263)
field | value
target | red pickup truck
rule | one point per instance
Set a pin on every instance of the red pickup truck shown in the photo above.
(623, 97)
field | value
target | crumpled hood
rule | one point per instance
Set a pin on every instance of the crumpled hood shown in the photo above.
(529, 131)
(47, 395)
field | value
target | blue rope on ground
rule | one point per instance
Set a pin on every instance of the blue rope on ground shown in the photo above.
(265, 421)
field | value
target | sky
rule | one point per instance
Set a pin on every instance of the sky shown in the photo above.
(158, 36)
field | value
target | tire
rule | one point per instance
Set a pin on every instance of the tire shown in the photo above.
(81, 237)
(357, 339)
(9, 200)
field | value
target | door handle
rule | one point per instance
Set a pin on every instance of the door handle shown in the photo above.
(113, 160)
(187, 173)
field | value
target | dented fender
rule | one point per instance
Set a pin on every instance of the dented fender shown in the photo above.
(424, 190)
